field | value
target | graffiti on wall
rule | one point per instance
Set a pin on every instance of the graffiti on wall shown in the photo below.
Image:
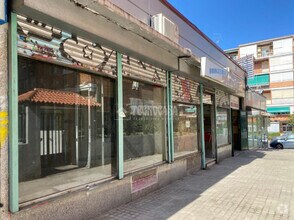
(39, 40)
(185, 90)
(3, 127)
(138, 69)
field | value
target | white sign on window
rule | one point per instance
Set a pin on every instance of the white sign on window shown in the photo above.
(3, 17)
(188, 124)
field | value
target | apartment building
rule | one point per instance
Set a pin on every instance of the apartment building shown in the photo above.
(273, 77)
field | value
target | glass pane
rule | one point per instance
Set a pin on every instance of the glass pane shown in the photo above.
(250, 132)
(65, 144)
(144, 124)
(222, 127)
(185, 128)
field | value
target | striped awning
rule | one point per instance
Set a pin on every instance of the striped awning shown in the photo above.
(278, 109)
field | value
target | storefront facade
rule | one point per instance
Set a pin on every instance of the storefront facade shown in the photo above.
(99, 120)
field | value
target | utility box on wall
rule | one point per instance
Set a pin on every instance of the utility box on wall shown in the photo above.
(165, 26)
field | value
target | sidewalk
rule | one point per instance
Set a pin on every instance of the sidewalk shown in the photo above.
(251, 185)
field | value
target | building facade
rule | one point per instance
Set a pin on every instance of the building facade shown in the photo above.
(273, 77)
(105, 101)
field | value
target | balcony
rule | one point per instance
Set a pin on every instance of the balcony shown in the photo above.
(264, 54)
(264, 51)
(259, 81)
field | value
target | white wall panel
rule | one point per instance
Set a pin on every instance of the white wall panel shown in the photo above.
(283, 46)
(282, 101)
(285, 93)
(248, 50)
(281, 63)
(281, 77)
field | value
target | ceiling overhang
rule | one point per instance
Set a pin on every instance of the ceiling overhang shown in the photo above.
(102, 21)
(105, 22)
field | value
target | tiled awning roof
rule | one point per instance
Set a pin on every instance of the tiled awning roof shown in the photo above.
(40, 95)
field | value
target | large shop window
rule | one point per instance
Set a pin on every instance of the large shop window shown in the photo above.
(185, 96)
(144, 124)
(185, 128)
(66, 127)
(222, 126)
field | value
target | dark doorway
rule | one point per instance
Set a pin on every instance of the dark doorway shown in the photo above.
(236, 134)
(208, 132)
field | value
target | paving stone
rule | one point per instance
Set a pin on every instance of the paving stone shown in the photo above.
(255, 184)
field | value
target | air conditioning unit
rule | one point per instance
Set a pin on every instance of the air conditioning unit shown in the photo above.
(165, 26)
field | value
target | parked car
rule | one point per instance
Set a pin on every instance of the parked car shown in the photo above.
(283, 141)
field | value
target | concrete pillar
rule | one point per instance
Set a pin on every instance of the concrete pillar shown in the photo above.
(4, 121)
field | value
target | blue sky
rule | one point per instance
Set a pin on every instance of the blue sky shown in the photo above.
(233, 22)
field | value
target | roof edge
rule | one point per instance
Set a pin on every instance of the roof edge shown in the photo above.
(193, 26)
(267, 40)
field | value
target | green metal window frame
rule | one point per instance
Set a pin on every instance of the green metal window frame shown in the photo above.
(13, 117)
(120, 115)
(170, 129)
(203, 161)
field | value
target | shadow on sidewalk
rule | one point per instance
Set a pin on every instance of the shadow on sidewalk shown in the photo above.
(170, 199)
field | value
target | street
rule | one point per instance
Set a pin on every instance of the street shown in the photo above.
(254, 184)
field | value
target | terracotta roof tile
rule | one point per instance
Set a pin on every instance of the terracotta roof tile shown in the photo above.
(41, 95)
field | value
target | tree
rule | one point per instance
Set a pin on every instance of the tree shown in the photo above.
(291, 119)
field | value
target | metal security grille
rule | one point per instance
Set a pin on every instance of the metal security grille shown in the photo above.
(142, 71)
(185, 90)
(41, 41)
(222, 99)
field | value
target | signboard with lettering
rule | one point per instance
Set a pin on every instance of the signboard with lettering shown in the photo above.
(222, 75)
(3, 11)
(234, 102)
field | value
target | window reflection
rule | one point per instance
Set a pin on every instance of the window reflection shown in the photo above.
(222, 126)
(144, 124)
(185, 128)
(68, 139)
